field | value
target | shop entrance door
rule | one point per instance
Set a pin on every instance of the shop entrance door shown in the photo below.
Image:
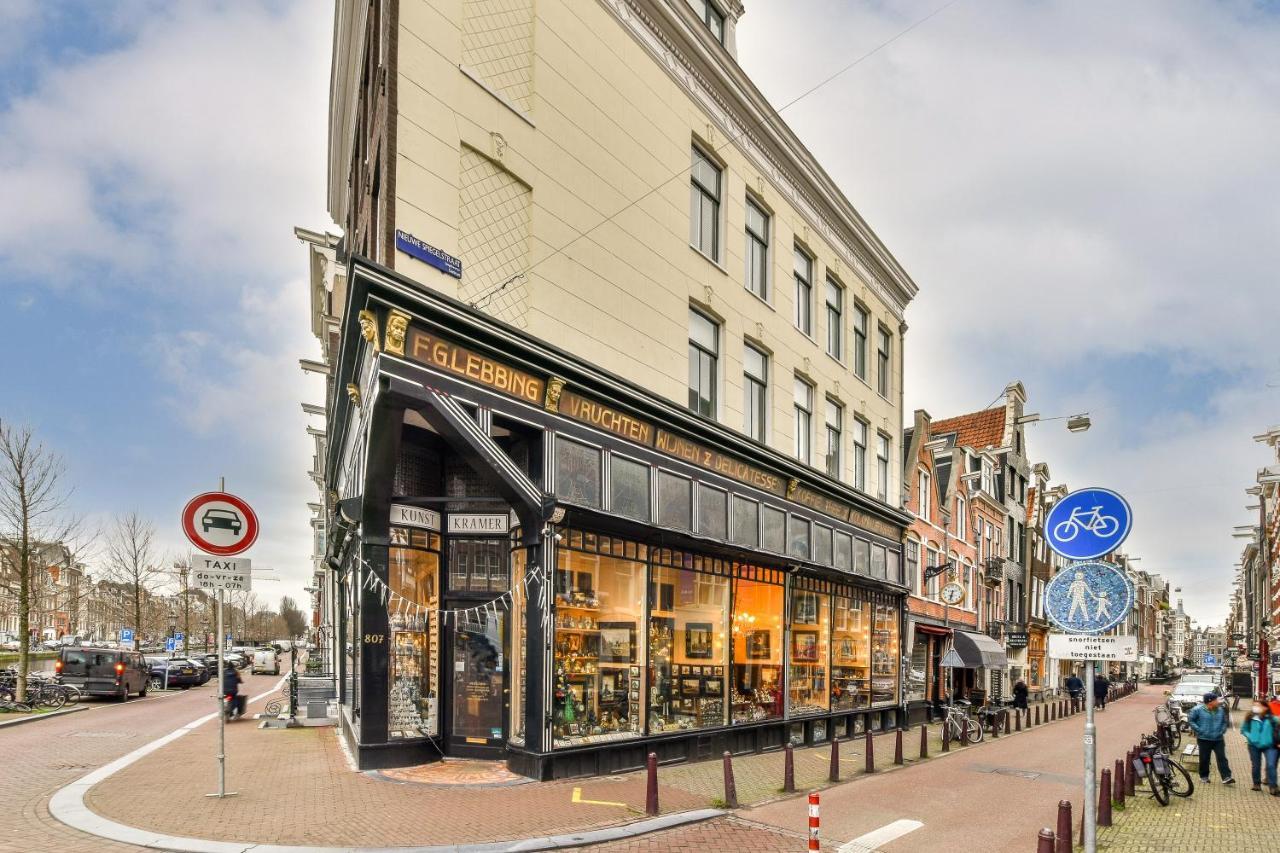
(478, 706)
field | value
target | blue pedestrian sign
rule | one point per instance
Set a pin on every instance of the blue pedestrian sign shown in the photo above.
(1210, 660)
(126, 635)
(1088, 598)
(178, 637)
(170, 645)
(1088, 523)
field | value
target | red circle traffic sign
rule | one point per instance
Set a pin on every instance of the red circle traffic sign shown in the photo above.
(219, 523)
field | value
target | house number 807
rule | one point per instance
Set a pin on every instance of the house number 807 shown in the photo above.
(374, 639)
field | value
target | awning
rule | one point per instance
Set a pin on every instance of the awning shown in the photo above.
(975, 651)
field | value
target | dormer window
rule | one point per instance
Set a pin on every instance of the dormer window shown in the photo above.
(711, 16)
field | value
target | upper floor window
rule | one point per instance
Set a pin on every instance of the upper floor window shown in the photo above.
(860, 454)
(935, 559)
(835, 320)
(704, 355)
(882, 466)
(804, 291)
(926, 493)
(711, 16)
(755, 391)
(835, 435)
(860, 320)
(962, 523)
(804, 420)
(882, 362)
(704, 205)
(757, 250)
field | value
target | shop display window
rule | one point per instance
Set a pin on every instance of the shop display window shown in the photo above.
(914, 684)
(850, 653)
(599, 649)
(757, 650)
(884, 656)
(413, 568)
(688, 652)
(807, 688)
(519, 648)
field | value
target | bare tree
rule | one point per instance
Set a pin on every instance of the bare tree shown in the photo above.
(34, 514)
(294, 619)
(132, 564)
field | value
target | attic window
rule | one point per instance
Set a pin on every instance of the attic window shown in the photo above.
(711, 16)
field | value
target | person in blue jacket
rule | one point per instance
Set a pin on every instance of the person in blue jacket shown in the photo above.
(1262, 731)
(1210, 721)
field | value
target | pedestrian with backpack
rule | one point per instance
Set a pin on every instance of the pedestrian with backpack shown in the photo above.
(1262, 731)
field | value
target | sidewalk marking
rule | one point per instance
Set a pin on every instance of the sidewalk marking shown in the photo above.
(577, 798)
(879, 837)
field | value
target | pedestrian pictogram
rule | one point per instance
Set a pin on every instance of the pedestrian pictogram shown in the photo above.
(1088, 523)
(219, 523)
(1088, 598)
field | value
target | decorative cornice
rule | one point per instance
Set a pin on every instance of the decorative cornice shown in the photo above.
(853, 241)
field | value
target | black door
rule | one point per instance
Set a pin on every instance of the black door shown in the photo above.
(478, 657)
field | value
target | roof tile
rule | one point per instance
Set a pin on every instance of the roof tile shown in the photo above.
(976, 430)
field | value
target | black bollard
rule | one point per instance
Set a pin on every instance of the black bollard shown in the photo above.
(651, 789)
(1117, 783)
(1063, 842)
(730, 787)
(833, 775)
(1037, 715)
(1104, 798)
(897, 746)
(789, 770)
(871, 756)
(1045, 842)
(946, 735)
(1008, 722)
(924, 740)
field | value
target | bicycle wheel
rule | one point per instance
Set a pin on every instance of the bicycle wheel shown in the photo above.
(1179, 781)
(975, 731)
(1175, 739)
(72, 693)
(1158, 789)
(51, 699)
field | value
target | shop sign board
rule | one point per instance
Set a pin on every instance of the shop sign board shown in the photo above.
(1088, 598)
(479, 522)
(1086, 647)
(213, 572)
(415, 516)
(428, 254)
(1088, 523)
(1016, 639)
(220, 523)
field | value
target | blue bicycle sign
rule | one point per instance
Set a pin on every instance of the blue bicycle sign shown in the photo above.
(1088, 523)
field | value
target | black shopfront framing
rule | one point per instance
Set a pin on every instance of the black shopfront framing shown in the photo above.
(367, 425)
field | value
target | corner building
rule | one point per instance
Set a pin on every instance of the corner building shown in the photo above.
(615, 435)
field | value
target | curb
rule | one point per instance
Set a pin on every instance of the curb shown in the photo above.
(68, 806)
(38, 717)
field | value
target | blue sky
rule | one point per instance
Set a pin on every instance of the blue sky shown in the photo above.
(1088, 195)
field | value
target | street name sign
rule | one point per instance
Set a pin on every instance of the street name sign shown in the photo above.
(1088, 523)
(211, 572)
(219, 523)
(1085, 647)
(1088, 598)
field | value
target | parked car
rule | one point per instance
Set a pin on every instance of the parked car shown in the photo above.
(266, 660)
(10, 644)
(103, 672)
(172, 672)
(201, 670)
(1188, 694)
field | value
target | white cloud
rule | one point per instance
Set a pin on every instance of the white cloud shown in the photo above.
(1069, 183)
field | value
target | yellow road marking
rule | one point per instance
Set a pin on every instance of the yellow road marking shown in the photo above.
(577, 798)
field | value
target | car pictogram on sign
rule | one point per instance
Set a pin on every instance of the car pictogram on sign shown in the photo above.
(223, 518)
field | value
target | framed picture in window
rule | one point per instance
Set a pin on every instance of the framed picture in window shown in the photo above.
(804, 608)
(717, 671)
(697, 640)
(690, 686)
(804, 646)
(618, 642)
(713, 686)
(758, 645)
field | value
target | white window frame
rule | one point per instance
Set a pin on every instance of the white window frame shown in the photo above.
(803, 419)
(924, 500)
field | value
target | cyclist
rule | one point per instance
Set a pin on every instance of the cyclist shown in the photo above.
(231, 681)
(1262, 731)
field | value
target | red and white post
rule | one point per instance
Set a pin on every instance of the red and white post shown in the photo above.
(813, 821)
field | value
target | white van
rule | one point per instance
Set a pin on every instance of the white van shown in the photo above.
(266, 660)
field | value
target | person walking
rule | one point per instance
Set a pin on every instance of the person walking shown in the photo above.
(1020, 693)
(1101, 687)
(1209, 721)
(1075, 689)
(1262, 731)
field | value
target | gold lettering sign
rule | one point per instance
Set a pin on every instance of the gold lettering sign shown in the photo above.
(713, 460)
(820, 502)
(461, 361)
(606, 417)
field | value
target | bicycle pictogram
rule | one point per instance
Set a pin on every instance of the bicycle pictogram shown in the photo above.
(1092, 521)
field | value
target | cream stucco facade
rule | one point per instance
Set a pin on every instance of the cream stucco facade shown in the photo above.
(547, 145)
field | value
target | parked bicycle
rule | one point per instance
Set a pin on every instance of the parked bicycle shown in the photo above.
(959, 725)
(1163, 773)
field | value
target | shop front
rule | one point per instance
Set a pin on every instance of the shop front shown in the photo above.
(542, 564)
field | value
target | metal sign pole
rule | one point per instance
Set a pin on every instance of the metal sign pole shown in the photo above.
(222, 708)
(1089, 810)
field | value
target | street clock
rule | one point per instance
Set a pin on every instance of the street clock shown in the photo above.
(953, 593)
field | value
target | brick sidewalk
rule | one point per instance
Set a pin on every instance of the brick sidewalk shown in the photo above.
(302, 773)
(1215, 817)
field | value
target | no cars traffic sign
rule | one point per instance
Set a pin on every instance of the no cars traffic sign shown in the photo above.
(219, 523)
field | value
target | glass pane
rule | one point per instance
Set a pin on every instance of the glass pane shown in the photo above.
(844, 551)
(878, 561)
(755, 363)
(706, 174)
(835, 296)
(675, 501)
(629, 488)
(810, 632)
(798, 538)
(862, 557)
(757, 222)
(757, 651)
(703, 331)
(893, 571)
(688, 651)
(518, 651)
(884, 656)
(746, 522)
(775, 530)
(577, 472)
(713, 510)
(822, 545)
(411, 701)
(850, 654)
(478, 661)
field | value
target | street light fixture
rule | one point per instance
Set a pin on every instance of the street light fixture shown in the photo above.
(1075, 423)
